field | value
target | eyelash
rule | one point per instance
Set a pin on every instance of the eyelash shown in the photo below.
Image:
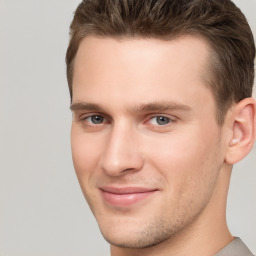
(92, 125)
(87, 120)
(157, 119)
(94, 116)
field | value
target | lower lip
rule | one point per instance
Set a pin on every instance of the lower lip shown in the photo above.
(124, 200)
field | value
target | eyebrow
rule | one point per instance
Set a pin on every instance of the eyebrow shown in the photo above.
(160, 106)
(85, 106)
(148, 107)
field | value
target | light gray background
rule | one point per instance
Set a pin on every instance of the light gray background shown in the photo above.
(42, 211)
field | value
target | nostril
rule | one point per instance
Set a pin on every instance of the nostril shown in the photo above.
(121, 166)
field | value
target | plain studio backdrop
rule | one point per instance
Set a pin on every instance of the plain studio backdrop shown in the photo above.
(42, 210)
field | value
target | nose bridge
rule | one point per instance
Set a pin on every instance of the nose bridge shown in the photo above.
(122, 152)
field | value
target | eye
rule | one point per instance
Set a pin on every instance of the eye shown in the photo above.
(160, 120)
(95, 119)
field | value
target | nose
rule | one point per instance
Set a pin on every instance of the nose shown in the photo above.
(122, 152)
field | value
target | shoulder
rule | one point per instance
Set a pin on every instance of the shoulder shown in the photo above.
(236, 248)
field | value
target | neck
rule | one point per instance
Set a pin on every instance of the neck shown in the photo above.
(205, 236)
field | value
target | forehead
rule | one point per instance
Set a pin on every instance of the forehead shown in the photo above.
(180, 52)
(141, 70)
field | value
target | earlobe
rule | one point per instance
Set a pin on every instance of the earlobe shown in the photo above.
(243, 130)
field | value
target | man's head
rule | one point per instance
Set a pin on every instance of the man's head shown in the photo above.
(230, 70)
(145, 78)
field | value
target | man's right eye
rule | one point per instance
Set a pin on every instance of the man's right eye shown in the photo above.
(95, 119)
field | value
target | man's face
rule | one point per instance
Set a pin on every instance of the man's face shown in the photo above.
(146, 146)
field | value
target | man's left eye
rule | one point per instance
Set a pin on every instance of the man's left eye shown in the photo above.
(160, 120)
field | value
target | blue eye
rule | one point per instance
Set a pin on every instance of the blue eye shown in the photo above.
(160, 120)
(96, 119)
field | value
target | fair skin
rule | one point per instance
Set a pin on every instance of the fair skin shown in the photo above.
(152, 162)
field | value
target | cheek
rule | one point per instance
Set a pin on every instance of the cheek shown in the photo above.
(184, 159)
(85, 153)
(173, 151)
(190, 171)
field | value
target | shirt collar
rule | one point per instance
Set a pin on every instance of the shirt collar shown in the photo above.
(235, 248)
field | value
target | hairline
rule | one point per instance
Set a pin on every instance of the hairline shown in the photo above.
(209, 75)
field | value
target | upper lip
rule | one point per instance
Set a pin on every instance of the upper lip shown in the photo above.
(126, 190)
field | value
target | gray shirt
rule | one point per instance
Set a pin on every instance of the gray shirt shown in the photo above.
(235, 248)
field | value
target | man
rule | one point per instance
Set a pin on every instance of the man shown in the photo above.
(162, 110)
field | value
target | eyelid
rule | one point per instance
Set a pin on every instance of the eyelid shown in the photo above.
(83, 116)
(91, 122)
(158, 127)
(89, 125)
(155, 115)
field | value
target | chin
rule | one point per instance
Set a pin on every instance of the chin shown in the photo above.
(137, 235)
(132, 243)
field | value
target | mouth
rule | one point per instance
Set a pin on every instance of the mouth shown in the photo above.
(125, 196)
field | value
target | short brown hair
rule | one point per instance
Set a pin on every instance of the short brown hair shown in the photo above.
(220, 22)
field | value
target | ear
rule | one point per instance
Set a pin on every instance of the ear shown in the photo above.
(254, 120)
(243, 127)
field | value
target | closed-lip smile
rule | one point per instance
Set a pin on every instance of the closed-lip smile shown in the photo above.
(125, 196)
